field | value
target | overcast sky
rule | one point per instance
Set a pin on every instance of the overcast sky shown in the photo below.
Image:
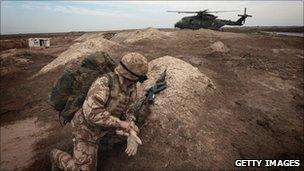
(65, 16)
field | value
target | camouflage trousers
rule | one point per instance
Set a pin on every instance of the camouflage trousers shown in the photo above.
(85, 147)
(84, 158)
(86, 143)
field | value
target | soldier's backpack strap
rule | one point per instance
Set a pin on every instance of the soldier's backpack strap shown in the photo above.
(110, 85)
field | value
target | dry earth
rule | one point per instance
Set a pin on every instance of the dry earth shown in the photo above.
(257, 105)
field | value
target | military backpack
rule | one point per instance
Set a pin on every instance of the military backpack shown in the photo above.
(69, 93)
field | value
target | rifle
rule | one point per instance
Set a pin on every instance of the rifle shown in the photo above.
(149, 97)
(159, 86)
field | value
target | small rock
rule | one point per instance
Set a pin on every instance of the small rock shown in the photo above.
(219, 47)
(195, 61)
(276, 51)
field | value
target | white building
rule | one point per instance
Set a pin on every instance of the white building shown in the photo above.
(39, 42)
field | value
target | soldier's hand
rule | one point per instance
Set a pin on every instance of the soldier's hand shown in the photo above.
(122, 132)
(133, 142)
(124, 125)
(134, 127)
(126, 131)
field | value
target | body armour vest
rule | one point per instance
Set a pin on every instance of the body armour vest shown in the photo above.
(119, 100)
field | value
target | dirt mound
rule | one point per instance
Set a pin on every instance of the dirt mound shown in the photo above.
(14, 61)
(287, 51)
(88, 36)
(134, 36)
(219, 47)
(13, 43)
(79, 50)
(224, 35)
(174, 138)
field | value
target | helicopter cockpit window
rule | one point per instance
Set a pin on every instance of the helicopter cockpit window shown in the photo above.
(191, 21)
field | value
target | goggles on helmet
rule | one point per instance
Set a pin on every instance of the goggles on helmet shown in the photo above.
(141, 78)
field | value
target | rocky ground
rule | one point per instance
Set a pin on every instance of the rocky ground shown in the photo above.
(256, 108)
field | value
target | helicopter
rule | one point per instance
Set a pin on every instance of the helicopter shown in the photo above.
(205, 19)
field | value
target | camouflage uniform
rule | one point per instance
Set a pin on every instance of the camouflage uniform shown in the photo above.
(99, 115)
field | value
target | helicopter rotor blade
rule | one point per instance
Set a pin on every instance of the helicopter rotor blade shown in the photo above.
(223, 11)
(184, 12)
(191, 12)
(206, 11)
(245, 14)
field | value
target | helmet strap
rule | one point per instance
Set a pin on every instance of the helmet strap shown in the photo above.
(141, 78)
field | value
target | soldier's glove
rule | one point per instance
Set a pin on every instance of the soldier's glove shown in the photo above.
(134, 127)
(127, 126)
(126, 132)
(122, 132)
(132, 143)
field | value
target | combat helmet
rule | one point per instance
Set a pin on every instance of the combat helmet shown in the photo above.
(133, 66)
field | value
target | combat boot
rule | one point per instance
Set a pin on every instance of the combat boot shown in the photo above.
(53, 160)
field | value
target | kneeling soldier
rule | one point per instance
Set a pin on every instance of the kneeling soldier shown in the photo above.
(109, 97)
